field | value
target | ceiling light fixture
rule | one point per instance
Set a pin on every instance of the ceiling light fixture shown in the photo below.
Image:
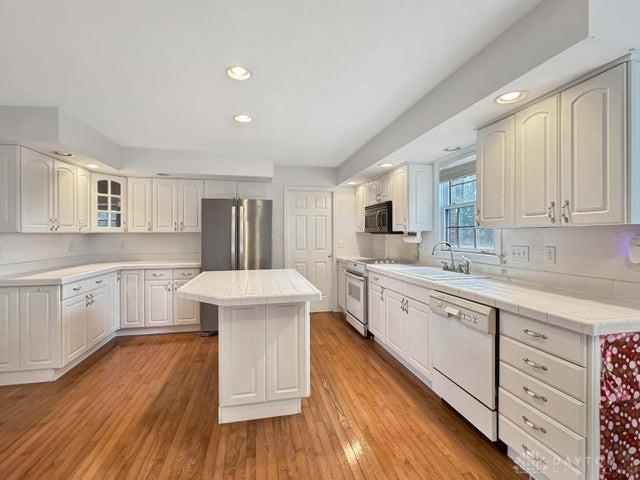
(511, 97)
(237, 72)
(451, 149)
(352, 183)
(63, 154)
(385, 165)
(242, 118)
(92, 165)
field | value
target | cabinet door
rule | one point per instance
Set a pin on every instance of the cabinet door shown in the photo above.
(385, 187)
(342, 286)
(242, 355)
(158, 303)
(399, 199)
(495, 157)
(536, 164)
(395, 319)
(65, 215)
(219, 189)
(185, 312)
(360, 193)
(75, 337)
(36, 197)
(83, 200)
(9, 330)
(189, 205)
(376, 306)
(108, 203)
(373, 192)
(98, 315)
(114, 302)
(165, 205)
(39, 328)
(132, 299)
(419, 197)
(139, 205)
(287, 343)
(254, 190)
(418, 337)
(9, 189)
(593, 141)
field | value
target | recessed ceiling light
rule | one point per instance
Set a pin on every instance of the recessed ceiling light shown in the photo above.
(385, 165)
(352, 183)
(92, 165)
(242, 118)
(451, 149)
(238, 73)
(511, 97)
(63, 154)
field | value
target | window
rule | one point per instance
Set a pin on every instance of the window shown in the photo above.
(458, 210)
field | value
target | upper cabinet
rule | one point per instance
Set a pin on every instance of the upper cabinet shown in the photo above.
(220, 189)
(139, 205)
(108, 200)
(9, 189)
(412, 198)
(190, 194)
(254, 190)
(560, 161)
(36, 197)
(361, 200)
(83, 199)
(230, 189)
(65, 215)
(165, 201)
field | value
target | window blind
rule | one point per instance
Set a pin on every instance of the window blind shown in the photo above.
(457, 171)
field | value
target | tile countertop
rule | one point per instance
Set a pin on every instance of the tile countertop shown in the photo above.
(581, 313)
(80, 272)
(249, 287)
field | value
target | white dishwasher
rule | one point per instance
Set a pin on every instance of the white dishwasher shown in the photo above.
(464, 359)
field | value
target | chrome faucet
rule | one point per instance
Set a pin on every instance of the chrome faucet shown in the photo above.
(445, 265)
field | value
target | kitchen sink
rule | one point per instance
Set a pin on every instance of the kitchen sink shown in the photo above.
(433, 273)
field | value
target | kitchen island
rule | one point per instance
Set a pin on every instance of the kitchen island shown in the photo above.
(264, 351)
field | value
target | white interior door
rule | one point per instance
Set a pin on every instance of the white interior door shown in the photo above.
(309, 246)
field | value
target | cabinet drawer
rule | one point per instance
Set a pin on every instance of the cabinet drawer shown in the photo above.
(185, 273)
(97, 282)
(377, 279)
(395, 285)
(417, 293)
(563, 375)
(563, 343)
(158, 274)
(550, 433)
(561, 407)
(534, 455)
(75, 288)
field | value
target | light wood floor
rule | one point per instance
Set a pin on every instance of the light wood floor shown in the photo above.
(146, 407)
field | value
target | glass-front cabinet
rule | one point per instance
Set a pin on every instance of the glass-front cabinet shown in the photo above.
(108, 211)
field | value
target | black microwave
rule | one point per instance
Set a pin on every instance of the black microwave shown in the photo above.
(378, 218)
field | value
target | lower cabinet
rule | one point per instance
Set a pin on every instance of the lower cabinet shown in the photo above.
(132, 299)
(9, 330)
(395, 319)
(185, 312)
(98, 320)
(39, 328)
(158, 303)
(376, 315)
(342, 286)
(74, 327)
(114, 302)
(418, 326)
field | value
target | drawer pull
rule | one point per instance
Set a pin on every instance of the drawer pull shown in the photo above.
(534, 365)
(533, 426)
(98, 281)
(533, 394)
(77, 289)
(533, 334)
(157, 275)
(532, 455)
(186, 274)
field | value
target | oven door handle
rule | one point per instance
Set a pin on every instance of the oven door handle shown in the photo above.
(377, 222)
(354, 276)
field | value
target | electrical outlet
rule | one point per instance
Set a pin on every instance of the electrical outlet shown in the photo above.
(549, 254)
(520, 253)
(71, 247)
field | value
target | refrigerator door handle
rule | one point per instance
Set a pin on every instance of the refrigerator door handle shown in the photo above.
(241, 237)
(234, 263)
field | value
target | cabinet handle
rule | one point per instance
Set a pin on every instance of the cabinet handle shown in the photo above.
(157, 275)
(51, 224)
(168, 288)
(118, 277)
(534, 365)
(533, 334)
(175, 226)
(77, 289)
(181, 226)
(533, 426)
(148, 226)
(551, 212)
(565, 208)
(124, 226)
(533, 394)
(531, 455)
(185, 274)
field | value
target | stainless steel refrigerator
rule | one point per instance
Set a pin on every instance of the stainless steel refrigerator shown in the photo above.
(236, 235)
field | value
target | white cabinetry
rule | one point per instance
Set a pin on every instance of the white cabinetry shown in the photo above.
(495, 158)
(132, 299)
(376, 311)
(114, 301)
(395, 319)
(165, 205)
(536, 164)
(36, 197)
(189, 205)
(399, 198)
(342, 286)
(373, 192)
(9, 189)
(65, 215)
(74, 327)
(385, 188)
(254, 190)
(83, 199)
(98, 320)
(158, 303)
(220, 189)
(361, 193)
(230, 189)
(108, 203)
(9, 330)
(139, 206)
(418, 336)
(412, 197)
(593, 138)
(39, 328)
(185, 312)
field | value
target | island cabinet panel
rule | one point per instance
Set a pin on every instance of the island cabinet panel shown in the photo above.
(242, 355)
(287, 344)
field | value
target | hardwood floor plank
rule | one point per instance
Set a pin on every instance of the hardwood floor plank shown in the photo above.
(146, 407)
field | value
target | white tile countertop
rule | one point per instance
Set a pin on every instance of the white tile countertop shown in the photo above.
(80, 272)
(581, 313)
(249, 287)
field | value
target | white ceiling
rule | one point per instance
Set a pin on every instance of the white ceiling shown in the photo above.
(328, 75)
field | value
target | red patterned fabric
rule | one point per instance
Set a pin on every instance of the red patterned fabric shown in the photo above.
(620, 407)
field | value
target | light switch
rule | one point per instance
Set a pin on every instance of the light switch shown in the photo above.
(634, 250)
(520, 253)
(549, 254)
